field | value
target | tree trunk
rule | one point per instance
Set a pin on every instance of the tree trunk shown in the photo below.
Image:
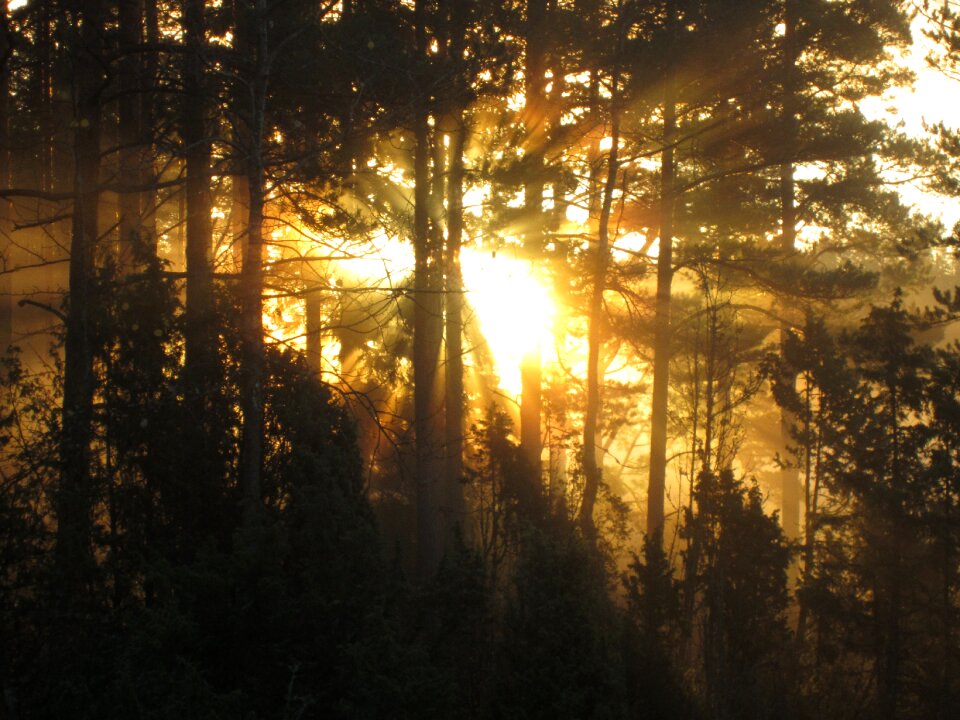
(74, 553)
(129, 134)
(661, 338)
(531, 410)
(196, 148)
(6, 227)
(251, 283)
(534, 120)
(427, 322)
(55, 142)
(43, 91)
(789, 476)
(454, 329)
(148, 91)
(592, 467)
(313, 305)
(436, 301)
(239, 217)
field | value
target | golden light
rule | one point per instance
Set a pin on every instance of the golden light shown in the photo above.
(629, 245)
(511, 304)
(576, 214)
(513, 307)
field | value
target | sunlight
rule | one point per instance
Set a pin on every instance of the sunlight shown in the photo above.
(513, 307)
(577, 214)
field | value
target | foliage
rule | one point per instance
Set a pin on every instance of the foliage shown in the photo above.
(559, 646)
(874, 435)
(736, 584)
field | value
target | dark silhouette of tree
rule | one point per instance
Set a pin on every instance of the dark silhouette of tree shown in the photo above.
(75, 494)
(873, 457)
(735, 566)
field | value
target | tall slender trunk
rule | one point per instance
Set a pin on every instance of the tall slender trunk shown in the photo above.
(313, 317)
(710, 397)
(57, 82)
(198, 454)
(251, 282)
(6, 227)
(454, 31)
(436, 301)
(789, 476)
(531, 409)
(454, 328)
(661, 334)
(149, 67)
(810, 451)
(251, 328)
(592, 469)
(558, 434)
(55, 143)
(44, 95)
(239, 217)
(129, 132)
(75, 495)
(888, 589)
(534, 119)
(426, 324)
(196, 148)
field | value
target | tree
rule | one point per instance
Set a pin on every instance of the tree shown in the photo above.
(592, 471)
(536, 133)
(195, 131)
(661, 352)
(428, 322)
(874, 459)
(129, 135)
(6, 295)
(748, 138)
(256, 56)
(735, 567)
(75, 494)
(453, 276)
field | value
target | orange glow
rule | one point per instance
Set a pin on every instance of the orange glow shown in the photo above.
(514, 308)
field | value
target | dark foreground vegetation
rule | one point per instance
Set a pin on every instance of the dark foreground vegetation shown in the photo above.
(187, 602)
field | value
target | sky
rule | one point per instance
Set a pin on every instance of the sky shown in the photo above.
(934, 98)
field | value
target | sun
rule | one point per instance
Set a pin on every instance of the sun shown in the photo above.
(514, 308)
(506, 297)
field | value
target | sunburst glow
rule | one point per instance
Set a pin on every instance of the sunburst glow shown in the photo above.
(514, 308)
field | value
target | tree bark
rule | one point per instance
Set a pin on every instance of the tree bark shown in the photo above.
(661, 340)
(534, 120)
(149, 67)
(592, 466)
(454, 328)
(198, 329)
(129, 133)
(44, 98)
(427, 322)
(251, 286)
(239, 217)
(789, 476)
(531, 410)
(74, 552)
(313, 305)
(6, 227)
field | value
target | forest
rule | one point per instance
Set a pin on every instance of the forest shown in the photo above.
(477, 359)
